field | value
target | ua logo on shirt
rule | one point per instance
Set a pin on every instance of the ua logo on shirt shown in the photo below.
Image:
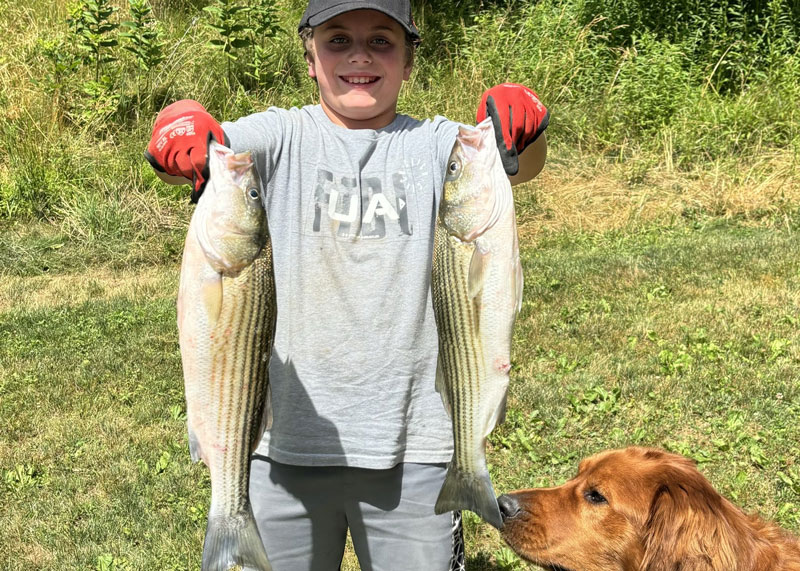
(346, 211)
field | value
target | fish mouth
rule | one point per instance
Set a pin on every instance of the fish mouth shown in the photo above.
(359, 79)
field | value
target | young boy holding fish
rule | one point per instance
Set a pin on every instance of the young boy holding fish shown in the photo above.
(359, 438)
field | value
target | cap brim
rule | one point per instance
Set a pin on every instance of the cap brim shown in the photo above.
(324, 15)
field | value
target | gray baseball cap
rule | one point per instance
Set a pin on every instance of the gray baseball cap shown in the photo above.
(320, 11)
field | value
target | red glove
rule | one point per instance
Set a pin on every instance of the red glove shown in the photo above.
(518, 117)
(179, 143)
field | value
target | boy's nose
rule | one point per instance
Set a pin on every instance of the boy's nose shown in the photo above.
(359, 54)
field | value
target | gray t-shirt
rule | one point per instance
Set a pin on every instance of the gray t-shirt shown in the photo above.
(351, 215)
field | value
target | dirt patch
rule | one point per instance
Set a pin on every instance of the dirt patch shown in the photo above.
(74, 289)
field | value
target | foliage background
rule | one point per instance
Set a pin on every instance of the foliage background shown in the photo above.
(659, 244)
(666, 87)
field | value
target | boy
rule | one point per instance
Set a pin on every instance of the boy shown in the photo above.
(359, 437)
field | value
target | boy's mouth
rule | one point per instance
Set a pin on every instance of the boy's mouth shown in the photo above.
(359, 79)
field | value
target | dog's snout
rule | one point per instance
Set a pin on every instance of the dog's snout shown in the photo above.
(509, 507)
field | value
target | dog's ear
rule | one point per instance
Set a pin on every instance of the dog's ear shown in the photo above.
(689, 523)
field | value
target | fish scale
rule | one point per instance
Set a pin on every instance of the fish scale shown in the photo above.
(476, 286)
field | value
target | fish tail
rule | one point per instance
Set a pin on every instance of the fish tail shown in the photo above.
(234, 540)
(468, 490)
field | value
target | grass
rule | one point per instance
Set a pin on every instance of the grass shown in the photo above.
(92, 428)
(685, 336)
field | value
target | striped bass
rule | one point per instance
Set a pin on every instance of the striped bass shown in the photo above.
(226, 323)
(477, 293)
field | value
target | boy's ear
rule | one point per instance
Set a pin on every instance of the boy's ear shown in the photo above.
(408, 67)
(312, 72)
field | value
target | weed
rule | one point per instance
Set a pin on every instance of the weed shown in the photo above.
(144, 40)
(108, 562)
(506, 560)
(92, 26)
(177, 413)
(163, 462)
(24, 477)
(228, 22)
(595, 400)
(58, 77)
(791, 478)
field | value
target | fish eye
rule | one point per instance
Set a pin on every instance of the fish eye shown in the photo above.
(594, 497)
(253, 192)
(453, 169)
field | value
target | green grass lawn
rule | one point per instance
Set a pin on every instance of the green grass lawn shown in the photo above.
(684, 336)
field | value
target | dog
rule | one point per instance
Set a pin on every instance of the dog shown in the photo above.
(641, 509)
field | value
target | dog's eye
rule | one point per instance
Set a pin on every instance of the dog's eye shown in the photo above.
(594, 497)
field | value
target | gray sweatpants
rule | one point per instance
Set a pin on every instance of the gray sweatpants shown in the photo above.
(303, 514)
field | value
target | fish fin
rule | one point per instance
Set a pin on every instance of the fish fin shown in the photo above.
(265, 421)
(441, 387)
(477, 269)
(474, 492)
(211, 295)
(497, 392)
(500, 413)
(519, 282)
(195, 451)
(517, 274)
(477, 278)
(234, 540)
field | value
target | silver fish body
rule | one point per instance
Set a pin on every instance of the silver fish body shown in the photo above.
(226, 323)
(477, 294)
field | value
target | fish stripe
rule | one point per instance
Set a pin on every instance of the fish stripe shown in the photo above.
(242, 334)
(462, 351)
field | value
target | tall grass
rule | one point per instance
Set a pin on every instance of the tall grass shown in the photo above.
(681, 85)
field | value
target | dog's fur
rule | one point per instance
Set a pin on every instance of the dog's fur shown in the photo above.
(641, 509)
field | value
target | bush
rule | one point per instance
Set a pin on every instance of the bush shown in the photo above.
(732, 40)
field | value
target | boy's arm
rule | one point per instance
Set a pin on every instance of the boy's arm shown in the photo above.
(519, 122)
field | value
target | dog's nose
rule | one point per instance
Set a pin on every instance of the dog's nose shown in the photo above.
(508, 506)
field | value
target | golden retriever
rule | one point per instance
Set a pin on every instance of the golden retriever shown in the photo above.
(641, 509)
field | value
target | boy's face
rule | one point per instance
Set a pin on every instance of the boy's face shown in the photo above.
(359, 61)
